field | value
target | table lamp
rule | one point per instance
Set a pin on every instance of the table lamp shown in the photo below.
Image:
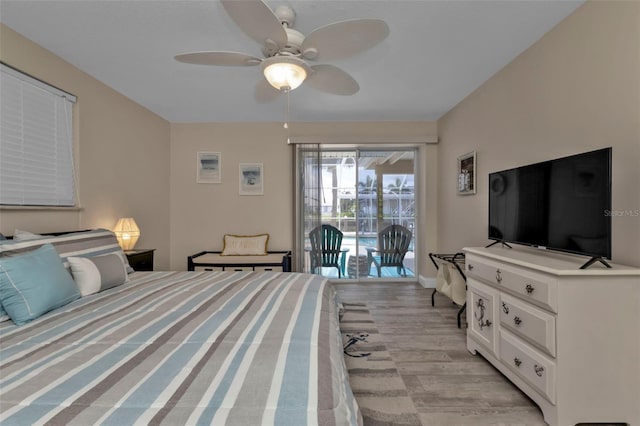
(127, 232)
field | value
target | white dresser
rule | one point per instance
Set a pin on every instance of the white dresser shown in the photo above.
(568, 338)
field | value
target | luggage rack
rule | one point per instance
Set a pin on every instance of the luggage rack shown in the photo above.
(454, 261)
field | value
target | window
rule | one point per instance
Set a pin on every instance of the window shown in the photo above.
(36, 142)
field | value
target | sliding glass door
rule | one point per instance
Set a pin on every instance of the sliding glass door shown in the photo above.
(356, 212)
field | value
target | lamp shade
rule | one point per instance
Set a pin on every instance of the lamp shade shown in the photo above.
(127, 232)
(285, 72)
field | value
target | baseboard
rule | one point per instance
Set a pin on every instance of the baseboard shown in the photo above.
(427, 282)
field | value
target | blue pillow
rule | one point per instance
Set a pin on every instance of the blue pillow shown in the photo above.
(34, 283)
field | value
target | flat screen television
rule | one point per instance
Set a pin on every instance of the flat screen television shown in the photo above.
(562, 204)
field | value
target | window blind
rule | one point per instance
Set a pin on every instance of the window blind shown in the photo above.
(36, 142)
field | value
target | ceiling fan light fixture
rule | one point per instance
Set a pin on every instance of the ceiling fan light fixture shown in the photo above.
(285, 73)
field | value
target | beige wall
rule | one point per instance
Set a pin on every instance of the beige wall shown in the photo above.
(202, 213)
(575, 90)
(122, 152)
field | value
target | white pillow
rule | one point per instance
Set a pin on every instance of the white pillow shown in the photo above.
(20, 235)
(3, 315)
(245, 245)
(95, 274)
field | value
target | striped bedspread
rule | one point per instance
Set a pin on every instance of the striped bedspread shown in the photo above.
(175, 348)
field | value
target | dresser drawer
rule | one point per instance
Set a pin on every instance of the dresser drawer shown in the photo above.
(529, 364)
(481, 269)
(482, 303)
(536, 288)
(531, 323)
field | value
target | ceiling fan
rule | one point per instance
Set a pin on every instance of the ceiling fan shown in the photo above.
(287, 52)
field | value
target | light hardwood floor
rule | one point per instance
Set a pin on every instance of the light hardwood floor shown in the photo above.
(447, 384)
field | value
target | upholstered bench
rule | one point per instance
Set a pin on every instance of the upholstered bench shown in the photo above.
(215, 261)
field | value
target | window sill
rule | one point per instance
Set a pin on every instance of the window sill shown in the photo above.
(41, 208)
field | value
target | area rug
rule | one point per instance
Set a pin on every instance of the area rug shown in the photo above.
(374, 378)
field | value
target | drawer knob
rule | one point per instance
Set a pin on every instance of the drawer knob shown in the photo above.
(517, 361)
(470, 267)
(517, 320)
(539, 369)
(529, 288)
(505, 308)
(498, 275)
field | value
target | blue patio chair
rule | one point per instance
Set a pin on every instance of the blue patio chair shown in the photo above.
(393, 244)
(325, 248)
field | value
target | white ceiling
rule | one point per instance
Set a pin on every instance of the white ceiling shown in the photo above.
(437, 53)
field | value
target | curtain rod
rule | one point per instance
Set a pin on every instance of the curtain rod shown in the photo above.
(356, 140)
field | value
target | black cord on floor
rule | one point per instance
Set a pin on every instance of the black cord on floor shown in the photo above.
(353, 339)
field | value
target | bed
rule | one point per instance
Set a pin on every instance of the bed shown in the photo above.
(236, 348)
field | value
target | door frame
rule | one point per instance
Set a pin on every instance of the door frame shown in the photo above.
(299, 220)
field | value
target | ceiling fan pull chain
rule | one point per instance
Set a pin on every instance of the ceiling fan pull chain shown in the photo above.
(286, 116)
(286, 121)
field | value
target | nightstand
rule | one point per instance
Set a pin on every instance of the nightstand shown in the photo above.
(140, 259)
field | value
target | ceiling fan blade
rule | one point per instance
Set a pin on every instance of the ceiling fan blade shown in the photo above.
(258, 21)
(331, 79)
(231, 59)
(265, 92)
(342, 39)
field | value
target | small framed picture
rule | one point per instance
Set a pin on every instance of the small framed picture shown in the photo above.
(209, 167)
(251, 179)
(467, 174)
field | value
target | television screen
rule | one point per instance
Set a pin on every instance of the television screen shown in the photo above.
(560, 204)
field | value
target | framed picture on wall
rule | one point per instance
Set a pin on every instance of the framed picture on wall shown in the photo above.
(467, 174)
(209, 167)
(251, 179)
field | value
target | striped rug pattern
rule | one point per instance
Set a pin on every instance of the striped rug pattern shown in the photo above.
(374, 378)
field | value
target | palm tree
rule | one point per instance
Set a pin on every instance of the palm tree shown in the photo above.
(368, 186)
(397, 186)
